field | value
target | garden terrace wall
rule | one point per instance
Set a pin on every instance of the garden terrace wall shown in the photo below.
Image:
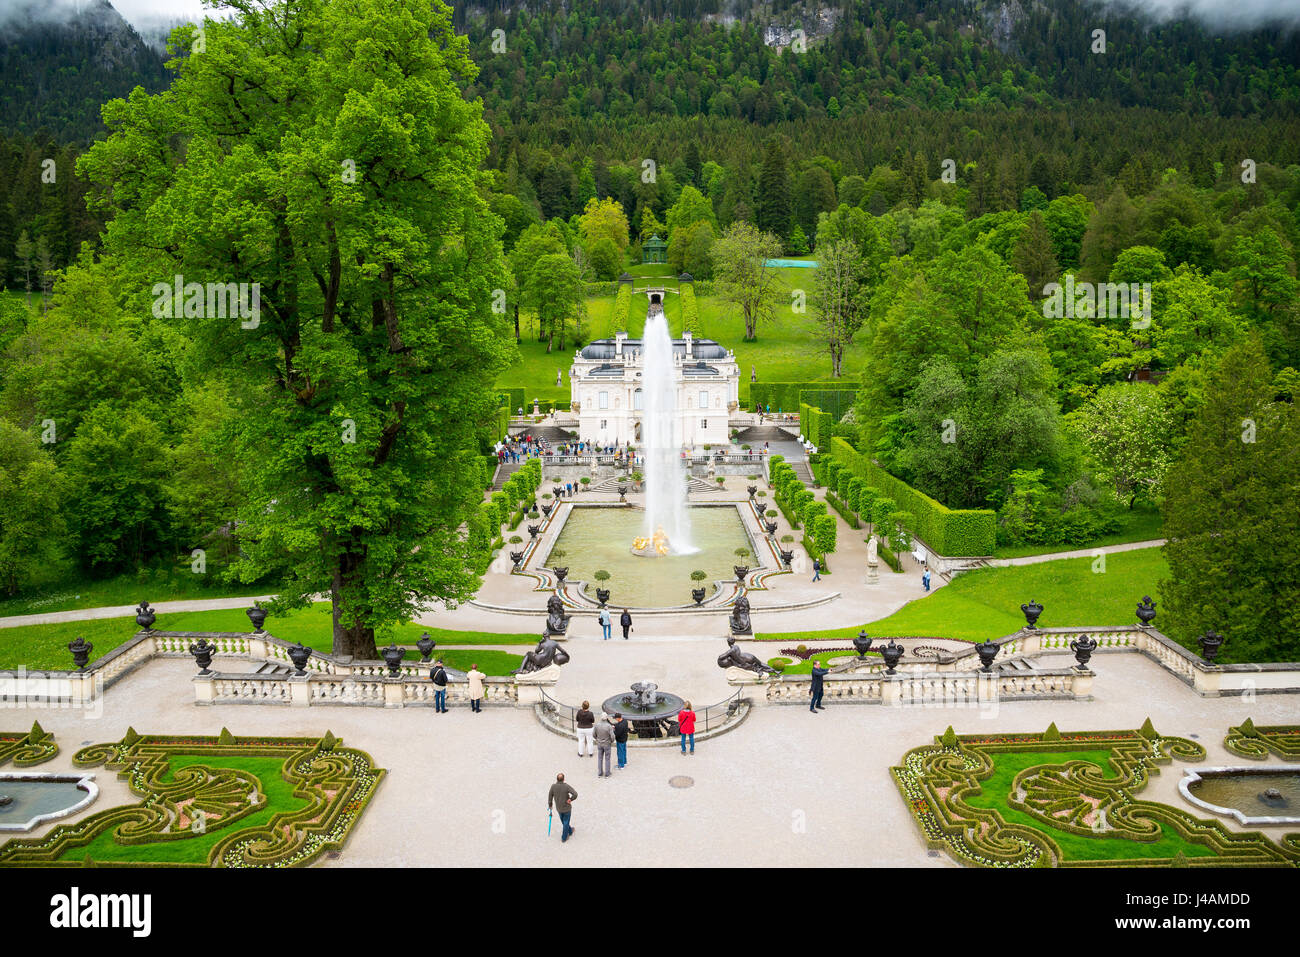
(945, 531)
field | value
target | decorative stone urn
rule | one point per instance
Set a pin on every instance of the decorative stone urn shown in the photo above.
(622, 493)
(987, 650)
(1146, 610)
(862, 643)
(1083, 647)
(557, 491)
(80, 649)
(516, 558)
(602, 596)
(299, 654)
(786, 557)
(741, 571)
(393, 658)
(560, 573)
(546, 510)
(426, 646)
(698, 595)
(770, 526)
(533, 530)
(1032, 611)
(144, 616)
(752, 490)
(257, 615)
(202, 652)
(891, 652)
(1210, 643)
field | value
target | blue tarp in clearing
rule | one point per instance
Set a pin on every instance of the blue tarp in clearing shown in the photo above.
(791, 264)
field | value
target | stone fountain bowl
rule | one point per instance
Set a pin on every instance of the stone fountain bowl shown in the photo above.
(666, 707)
(37, 796)
(1255, 795)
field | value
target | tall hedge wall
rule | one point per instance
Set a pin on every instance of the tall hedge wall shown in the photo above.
(513, 398)
(619, 319)
(947, 531)
(833, 397)
(690, 310)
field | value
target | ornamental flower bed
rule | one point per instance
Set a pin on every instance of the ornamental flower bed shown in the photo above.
(1068, 811)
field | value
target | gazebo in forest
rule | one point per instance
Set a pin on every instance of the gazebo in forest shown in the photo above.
(654, 250)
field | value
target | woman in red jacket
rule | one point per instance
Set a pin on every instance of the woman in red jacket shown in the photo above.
(686, 725)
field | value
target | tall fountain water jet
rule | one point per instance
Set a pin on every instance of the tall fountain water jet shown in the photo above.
(661, 439)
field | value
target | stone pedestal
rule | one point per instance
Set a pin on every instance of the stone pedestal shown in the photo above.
(204, 692)
(1083, 684)
(873, 573)
(300, 691)
(1207, 679)
(529, 687)
(393, 692)
(891, 689)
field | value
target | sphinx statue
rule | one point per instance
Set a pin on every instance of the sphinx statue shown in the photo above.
(547, 653)
(734, 657)
(557, 622)
(740, 617)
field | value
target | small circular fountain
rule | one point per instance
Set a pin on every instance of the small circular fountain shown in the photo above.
(645, 702)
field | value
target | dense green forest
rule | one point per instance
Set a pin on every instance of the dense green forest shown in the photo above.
(951, 177)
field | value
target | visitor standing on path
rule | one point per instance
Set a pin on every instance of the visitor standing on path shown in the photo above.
(604, 735)
(686, 725)
(584, 722)
(475, 688)
(439, 678)
(561, 796)
(925, 579)
(818, 673)
(817, 569)
(605, 624)
(621, 729)
(626, 621)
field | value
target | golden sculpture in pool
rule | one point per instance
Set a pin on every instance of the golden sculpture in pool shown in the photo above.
(647, 545)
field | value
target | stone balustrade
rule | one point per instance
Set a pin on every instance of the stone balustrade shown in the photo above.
(922, 689)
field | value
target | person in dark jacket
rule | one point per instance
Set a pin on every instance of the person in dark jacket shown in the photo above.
(562, 796)
(621, 728)
(626, 621)
(439, 678)
(818, 673)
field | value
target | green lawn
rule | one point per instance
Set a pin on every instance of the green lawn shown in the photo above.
(1138, 525)
(985, 603)
(39, 647)
(1097, 847)
(783, 352)
(127, 589)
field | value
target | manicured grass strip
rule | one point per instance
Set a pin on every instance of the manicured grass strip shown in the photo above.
(123, 590)
(1104, 846)
(491, 663)
(984, 604)
(38, 647)
(1139, 525)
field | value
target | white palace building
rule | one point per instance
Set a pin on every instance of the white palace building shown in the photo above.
(609, 404)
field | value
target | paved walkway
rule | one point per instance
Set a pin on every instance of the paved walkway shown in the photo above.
(1077, 553)
(786, 787)
(128, 611)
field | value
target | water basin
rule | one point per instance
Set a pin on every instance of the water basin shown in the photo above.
(1252, 795)
(35, 797)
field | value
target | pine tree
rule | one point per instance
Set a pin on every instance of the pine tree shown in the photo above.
(1033, 257)
(773, 204)
(1231, 514)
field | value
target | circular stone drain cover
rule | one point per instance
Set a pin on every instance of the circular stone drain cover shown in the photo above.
(681, 781)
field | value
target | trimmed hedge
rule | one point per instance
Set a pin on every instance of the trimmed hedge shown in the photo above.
(946, 531)
(835, 397)
(621, 316)
(513, 398)
(690, 310)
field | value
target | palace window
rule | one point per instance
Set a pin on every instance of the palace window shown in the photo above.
(638, 399)
(704, 399)
(604, 400)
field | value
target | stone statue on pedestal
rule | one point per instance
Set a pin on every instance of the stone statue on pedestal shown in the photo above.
(557, 622)
(734, 657)
(548, 652)
(740, 617)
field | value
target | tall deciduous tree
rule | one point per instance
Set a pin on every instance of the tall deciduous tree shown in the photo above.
(1033, 257)
(1231, 511)
(838, 299)
(743, 277)
(325, 151)
(1126, 429)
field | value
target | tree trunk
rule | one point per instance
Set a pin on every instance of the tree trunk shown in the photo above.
(518, 340)
(355, 640)
(550, 339)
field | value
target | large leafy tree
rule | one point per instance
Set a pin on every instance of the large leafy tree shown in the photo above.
(324, 151)
(743, 277)
(1126, 429)
(32, 525)
(838, 299)
(1231, 511)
